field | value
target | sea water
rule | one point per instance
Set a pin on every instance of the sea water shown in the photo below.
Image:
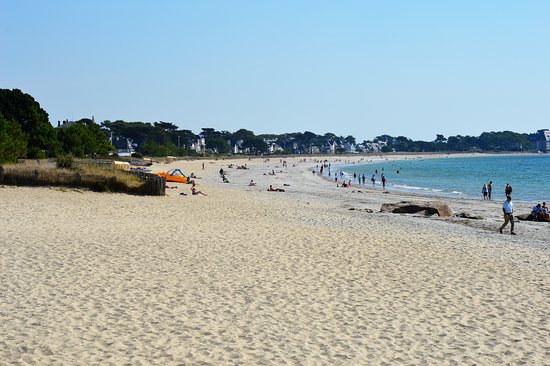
(460, 177)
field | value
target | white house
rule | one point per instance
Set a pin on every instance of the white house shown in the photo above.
(547, 138)
(374, 146)
(238, 147)
(349, 148)
(200, 145)
(329, 147)
(540, 140)
(123, 146)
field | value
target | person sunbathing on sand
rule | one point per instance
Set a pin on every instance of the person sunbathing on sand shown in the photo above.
(196, 193)
(251, 183)
(545, 212)
(536, 213)
(271, 189)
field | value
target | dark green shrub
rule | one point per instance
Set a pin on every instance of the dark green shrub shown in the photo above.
(35, 153)
(100, 186)
(65, 161)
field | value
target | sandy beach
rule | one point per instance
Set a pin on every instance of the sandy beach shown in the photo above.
(249, 277)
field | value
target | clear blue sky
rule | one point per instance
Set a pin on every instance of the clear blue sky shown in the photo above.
(361, 68)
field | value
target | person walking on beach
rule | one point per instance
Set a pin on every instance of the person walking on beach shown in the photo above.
(508, 190)
(508, 209)
(484, 191)
(489, 189)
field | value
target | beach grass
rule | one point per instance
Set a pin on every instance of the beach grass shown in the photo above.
(94, 177)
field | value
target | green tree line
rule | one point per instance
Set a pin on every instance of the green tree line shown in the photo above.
(487, 141)
(25, 132)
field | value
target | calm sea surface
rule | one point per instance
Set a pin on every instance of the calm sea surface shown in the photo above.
(461, 177)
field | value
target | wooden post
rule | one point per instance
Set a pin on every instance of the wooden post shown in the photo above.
(157, 185)
(162, 190)
(154, 185)
(36, 178)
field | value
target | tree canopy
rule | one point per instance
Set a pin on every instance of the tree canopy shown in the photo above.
(22, 109)
(84, 138)
(13, 141)
(25, 131)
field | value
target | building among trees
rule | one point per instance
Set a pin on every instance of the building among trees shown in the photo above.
(540, 140)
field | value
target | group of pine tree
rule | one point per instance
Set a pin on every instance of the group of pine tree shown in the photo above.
(26, 132)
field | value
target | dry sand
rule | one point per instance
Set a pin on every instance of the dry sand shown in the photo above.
(246, 276)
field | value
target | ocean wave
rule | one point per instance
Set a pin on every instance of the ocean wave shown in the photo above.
(404, 186)
(407, 187)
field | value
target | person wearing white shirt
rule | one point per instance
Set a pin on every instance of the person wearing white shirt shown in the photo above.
(508, 209)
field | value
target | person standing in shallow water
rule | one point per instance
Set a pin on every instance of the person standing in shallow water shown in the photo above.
(508, 209)
(484, 191)
(508, 190)
(489, 189)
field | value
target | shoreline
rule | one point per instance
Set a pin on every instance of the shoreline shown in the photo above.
(321, 188)
(424, 191)
(317, 187)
